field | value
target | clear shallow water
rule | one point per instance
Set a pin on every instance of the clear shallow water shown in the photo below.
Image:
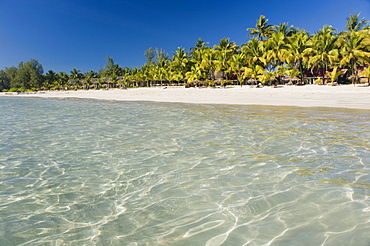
(85, 172)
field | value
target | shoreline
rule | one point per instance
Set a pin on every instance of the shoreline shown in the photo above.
(343, 96)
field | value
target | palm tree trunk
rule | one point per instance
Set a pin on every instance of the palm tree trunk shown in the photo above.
(354, 67)
(300, 68)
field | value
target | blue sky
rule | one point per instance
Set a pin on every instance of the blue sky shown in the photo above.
(67, 34)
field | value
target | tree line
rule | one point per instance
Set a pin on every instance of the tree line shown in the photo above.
(272, 54)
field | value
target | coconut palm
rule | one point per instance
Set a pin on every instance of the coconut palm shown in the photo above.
(196, 56)
(221, 63)
(323, 48)
(225, 44)
(76, 74)
(286, 30)
(262, 30)
(148, 71)
(253, 72)
(49, 79)
(180, 61)
(254, 51)
(296, 56)
(277, 49)
(267, 76)
(127, 77)
(62, 79)
(334, 74)
(199, 45)
(282, 71)
(88, 76)
(237, 65)
(175, 75)
(207, 61)
(196, 73)
(353, 51)
(293, 73)
(160, 73)
(224, 51)
(137, 76)
(354, 23)
(91, 74)
(75, 77)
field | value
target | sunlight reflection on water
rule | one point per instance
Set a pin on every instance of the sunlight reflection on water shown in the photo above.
(85, 172)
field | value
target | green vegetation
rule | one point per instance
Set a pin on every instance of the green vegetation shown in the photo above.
(273, 54)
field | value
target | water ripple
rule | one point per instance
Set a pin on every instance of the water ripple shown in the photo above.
(83, 172)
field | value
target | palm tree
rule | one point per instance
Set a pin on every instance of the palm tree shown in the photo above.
(237, 65)
(49, 78)
(197, 56)
(196, 73)
(282, 71)
(225, 44)
(276, 49)
(224, 51)
(148, 72)
(253, 72)
(137, 76)
(88, 76)
(334, 74)
(180, 61)
(91, 74)
(296, 56)
(262, 30)
(76, 74)
(199, 45)
(174, 75)
(61, 80)
(323, 48)
(254, 51)
(160, 72)
(354, 23)
(286, 30)
(353, 51)
(267, 76)
(207, 61)
(127, 77)
(293, 73)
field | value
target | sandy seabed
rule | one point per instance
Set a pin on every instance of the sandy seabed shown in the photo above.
(344, 96)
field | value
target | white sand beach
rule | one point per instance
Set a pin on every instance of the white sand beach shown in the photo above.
(344, 96)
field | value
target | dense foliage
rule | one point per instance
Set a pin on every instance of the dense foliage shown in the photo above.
(273, 53)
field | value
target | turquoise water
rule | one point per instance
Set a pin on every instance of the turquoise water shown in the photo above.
(88, 172)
